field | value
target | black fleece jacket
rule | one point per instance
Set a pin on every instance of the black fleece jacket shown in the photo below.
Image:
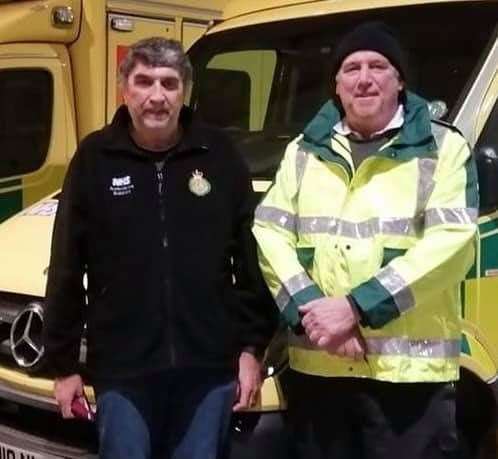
(172, 276)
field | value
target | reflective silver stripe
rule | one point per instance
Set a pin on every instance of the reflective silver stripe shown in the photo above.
(426, 169)
(290, 287)
(301, 160)
(282, 299)
(423, 348)
(397, 287)
(316, 225)
(297, 283)
(361, 230)
(368, 228)
(388, 226)
(277, 216)
(399, 226)
(439, 133)
(461, 216)
(431, 348)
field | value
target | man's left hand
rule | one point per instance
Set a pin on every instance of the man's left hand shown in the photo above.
(327, 320)
(249, 381)
(352, 347)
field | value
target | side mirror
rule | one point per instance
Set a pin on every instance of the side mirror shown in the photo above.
(487, 170)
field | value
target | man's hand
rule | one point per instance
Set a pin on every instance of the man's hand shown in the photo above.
(353, 346)
(65, 390)
(327, 321)
(249, 381)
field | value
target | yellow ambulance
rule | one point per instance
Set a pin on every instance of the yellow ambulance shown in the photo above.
(260, 74)
(58, 61)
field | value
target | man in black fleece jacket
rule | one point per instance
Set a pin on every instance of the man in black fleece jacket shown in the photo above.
(156, 209)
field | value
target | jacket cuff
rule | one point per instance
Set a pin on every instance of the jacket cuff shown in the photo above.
(374, 303)
(290, 312)
(363, 319)
(62, 369)
(256, 351)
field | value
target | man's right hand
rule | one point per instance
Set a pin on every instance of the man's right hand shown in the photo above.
(66, 389)
(328, 320)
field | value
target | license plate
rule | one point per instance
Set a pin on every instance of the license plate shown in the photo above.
(10, 452)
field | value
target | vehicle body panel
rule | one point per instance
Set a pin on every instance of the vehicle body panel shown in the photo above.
(31, 21)
(241, 13)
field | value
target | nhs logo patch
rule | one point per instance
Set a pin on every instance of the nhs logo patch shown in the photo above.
(121, 181)
(121, 186)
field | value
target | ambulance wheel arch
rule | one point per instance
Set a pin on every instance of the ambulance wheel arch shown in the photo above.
(37, 123)
(477, 390)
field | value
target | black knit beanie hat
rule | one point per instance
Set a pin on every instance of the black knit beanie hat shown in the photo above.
(370, 36)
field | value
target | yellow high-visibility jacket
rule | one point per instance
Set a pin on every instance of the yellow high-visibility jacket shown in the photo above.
(397, 235)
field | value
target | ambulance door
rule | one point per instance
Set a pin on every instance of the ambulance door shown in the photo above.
(481, 293)
(37, 125)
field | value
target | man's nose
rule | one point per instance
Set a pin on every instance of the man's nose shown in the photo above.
(365, 76)
(157, 92)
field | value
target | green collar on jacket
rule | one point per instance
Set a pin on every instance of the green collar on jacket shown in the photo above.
(415, 138)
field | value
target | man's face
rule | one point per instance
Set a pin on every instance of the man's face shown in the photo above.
(368, 87)
(154, 96)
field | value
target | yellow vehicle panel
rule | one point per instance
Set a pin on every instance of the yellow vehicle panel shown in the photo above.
(27, 187)
(191, 9)
(271, 398)
(480, 298)
(240, 13)
(32, 22)
(31, 258)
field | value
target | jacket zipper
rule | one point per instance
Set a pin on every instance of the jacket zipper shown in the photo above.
(164, 247)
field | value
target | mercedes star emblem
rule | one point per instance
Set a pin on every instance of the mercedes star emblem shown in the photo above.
(25, 336)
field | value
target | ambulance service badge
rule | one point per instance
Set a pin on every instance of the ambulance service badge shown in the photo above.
(198, 184)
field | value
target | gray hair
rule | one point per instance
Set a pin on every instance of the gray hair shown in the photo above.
(156, 52)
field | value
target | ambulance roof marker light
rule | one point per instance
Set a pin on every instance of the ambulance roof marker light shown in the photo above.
(122, 24)
(62, 16)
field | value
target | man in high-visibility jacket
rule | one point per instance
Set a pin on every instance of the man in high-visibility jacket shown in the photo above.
(364, 238)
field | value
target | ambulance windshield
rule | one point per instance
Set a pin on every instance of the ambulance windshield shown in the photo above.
(263, 83)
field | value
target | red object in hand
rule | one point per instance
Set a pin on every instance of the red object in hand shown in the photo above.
(81, 409)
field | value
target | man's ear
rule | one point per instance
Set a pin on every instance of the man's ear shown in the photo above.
(401, 83)
(333, 84)
(123, 91)
(187, 90)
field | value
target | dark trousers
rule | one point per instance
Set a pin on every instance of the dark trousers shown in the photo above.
(177, 414)
(352, 418)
